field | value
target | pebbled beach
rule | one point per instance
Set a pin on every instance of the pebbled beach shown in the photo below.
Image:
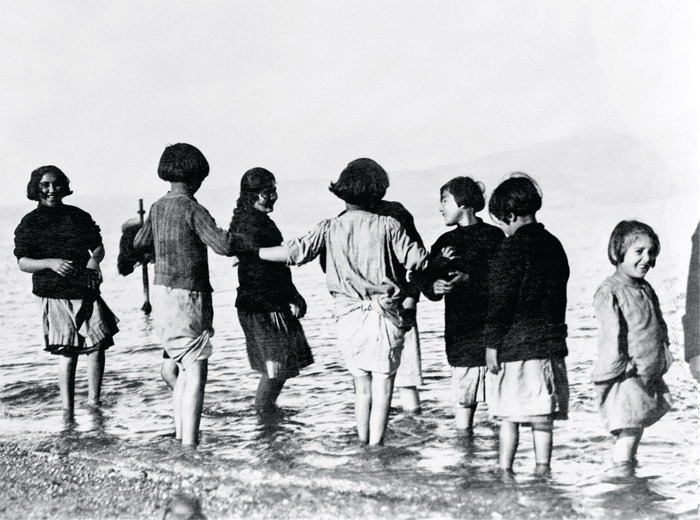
(58, 484)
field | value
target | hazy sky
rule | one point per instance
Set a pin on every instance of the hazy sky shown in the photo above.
(302, 87)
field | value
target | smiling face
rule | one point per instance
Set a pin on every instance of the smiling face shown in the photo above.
(451, 212)
(51, 190)
(638, 259)
(266, 200)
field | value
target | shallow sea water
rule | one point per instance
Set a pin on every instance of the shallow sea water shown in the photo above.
(312, 442)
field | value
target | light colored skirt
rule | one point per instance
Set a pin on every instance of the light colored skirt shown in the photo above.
(73, 327)
(410, 372)
(368, 339)
(633, 402)
(536, 390)
(183, 321)
(468, 385)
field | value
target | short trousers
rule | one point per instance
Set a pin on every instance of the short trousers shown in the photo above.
(410, 372)
(73, 327)
(468, 386)
(183, 321)
(535, 390)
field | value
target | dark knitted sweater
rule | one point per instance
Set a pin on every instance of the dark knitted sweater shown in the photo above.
(527, 297)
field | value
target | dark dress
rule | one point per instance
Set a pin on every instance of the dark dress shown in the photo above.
(265, 292)
(467, 305)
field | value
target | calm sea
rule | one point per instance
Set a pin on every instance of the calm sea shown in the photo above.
(314, 440)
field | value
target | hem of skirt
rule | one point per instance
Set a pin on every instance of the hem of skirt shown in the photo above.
(557, 416)
(70, 351)
(408, 382)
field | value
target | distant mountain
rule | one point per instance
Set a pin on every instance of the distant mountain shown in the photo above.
(597, 169)
(606, 169)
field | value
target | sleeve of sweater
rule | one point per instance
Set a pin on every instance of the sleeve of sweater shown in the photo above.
(220, 241)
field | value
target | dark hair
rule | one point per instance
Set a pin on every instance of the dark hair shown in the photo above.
(466, 191)
(363, 182)
(182, 162)
(33, 188)
(623, 237)
(253, 182)
(518, 195)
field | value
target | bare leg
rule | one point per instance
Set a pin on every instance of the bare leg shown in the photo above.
(464, 417)
(193, 401)
(542, 441)
(95, 373)
(508, 444)
(267, 394)
(169, 371)
(382, 391)
(363, 405)
(66, 382)
(178, 392)
(410, 401)
(626, 444)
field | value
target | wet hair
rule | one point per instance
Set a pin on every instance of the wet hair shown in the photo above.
(182, 162)
(519, 195)
(466, 191)
(624, 235)
(33, 188)
(363, 182)
(253, 182)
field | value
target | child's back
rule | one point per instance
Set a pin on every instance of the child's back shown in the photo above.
(528, 296)
(182, 229)
(366, 252)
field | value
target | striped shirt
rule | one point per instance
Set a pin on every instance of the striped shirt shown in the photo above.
(178, 229)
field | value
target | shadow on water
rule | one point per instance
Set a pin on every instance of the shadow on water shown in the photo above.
(623, 496)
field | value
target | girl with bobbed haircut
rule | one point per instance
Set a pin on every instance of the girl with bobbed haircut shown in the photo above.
(625, 234)
(367, 258)
(182, 162)
(519, 195)
(467, 192)
(363, 182)
(34, 188)
(633, 341)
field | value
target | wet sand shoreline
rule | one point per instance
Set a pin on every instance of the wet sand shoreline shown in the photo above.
(59, 484)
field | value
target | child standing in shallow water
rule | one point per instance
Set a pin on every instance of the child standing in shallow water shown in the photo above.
(633, 351)
(365, 253)
(269, 305)
(178, 230)
(463, 284)
(525, 330)
(410, 374)
(62, 247)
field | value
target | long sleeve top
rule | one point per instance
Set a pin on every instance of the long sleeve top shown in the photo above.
(527, 297)
(263, 286)
(366, 256)
(691, 319)
(631, 330)
(64, 232)
(466, 306)
(397, 211)
(178, 229)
